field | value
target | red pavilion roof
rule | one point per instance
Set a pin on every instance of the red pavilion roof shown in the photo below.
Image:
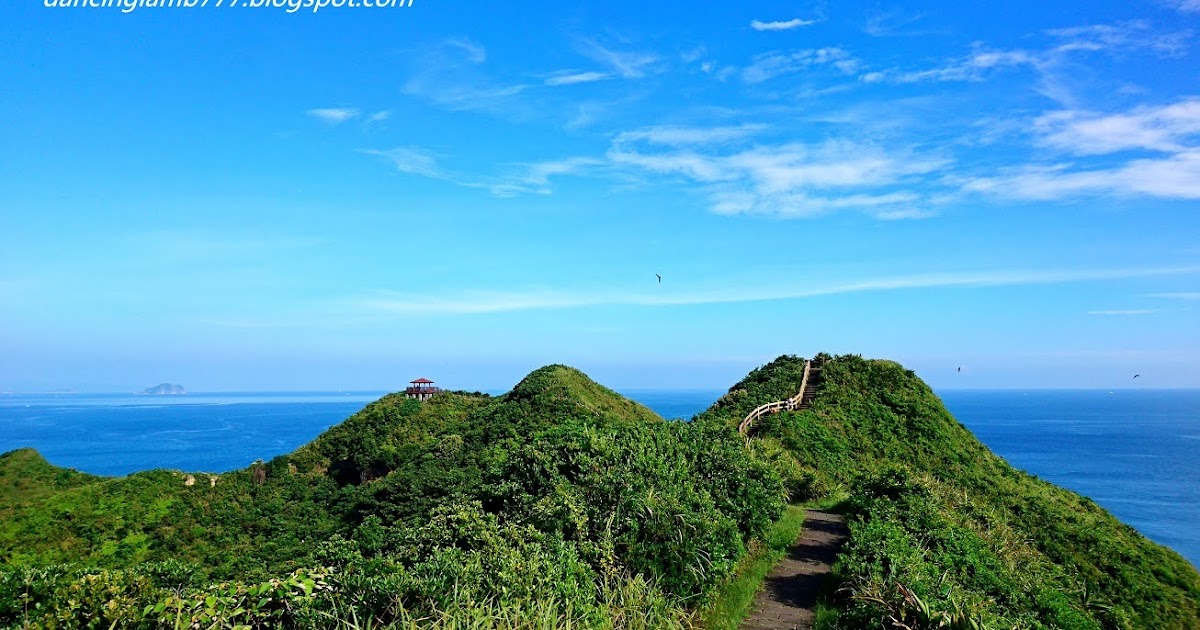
(422, 381)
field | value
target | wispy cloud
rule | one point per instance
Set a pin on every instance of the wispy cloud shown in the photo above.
(787, 25)
(444, 91)
(379, 116)
(528, 178)
(1123, 312)
(572, 77)
(1178, 295)
(535, 177)
(1166, 128)
(787, 180)
(452, 76)
(770, 65)
(677, 136)
(693, 55)
(334, 115)
(1187, 6)
(895, 24)
(1169, 130)
(973, 67)
(1130, 35)
(1174, 177)
(412, 160)
(1048, 61)
(626, 64)
(479, 302)
(475, 52)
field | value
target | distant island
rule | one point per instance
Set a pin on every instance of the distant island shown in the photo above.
(165, 389)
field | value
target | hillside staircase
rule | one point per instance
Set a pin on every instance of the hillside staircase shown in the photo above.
(801, 401)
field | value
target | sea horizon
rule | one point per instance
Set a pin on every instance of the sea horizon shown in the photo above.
(496, 392)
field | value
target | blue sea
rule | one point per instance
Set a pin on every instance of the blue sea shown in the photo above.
(1134, 452)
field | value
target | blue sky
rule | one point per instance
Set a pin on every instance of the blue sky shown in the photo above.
(246, 199)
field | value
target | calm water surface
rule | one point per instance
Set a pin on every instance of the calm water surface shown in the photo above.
(116, 434)
(1137, 453)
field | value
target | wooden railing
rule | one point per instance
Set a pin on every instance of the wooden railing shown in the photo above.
(790, 404)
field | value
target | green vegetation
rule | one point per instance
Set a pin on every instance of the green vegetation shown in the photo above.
(562, 504)
(732, 601)
(560, 500)
(946, 534)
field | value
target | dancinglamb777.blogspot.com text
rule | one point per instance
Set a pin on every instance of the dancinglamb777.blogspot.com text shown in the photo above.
(287, 6)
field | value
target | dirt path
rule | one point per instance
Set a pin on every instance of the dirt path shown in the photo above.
(789, 594)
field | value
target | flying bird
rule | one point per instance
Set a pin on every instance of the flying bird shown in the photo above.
(960, 369)
(659, 278)
(1136, 375)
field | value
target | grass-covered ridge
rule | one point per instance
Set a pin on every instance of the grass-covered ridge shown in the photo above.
(562, 503)
(943, 531)
(559, 501)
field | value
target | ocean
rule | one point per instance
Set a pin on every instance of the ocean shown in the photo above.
(1133, 452)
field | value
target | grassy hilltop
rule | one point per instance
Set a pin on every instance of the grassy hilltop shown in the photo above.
(945, 532)
(562, 503)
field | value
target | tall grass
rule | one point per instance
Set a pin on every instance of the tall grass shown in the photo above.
(628, 603)
(733, 599)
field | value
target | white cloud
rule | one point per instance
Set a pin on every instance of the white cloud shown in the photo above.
(904, 214)
(452, 76)
(693, 55)
(586, 114)
(789, 205)
(571, 77)
(788, 180)
(474, 52)
(701, 168)
(535, 177)
(531, 178)
(404, 304)
(1174, 177)
(1122, 312)
(334, 115)
(769, 65)
(1120, 36)
(445, 91)
(973, 67)
(894, 23)
(379, 116)
(626, 64)
(1164, 128)
(413, 160)
(677, 136)
(1187, 6)
(1171, 131)
(1047, 61)
(788, 25)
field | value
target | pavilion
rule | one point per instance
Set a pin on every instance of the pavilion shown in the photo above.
(421, 389)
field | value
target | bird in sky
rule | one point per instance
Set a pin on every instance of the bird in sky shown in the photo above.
(659, 278)
(960, 369)
(1136, 375)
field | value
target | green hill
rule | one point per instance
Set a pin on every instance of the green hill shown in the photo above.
(942, 530)
(562, 503)
(558, 500)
